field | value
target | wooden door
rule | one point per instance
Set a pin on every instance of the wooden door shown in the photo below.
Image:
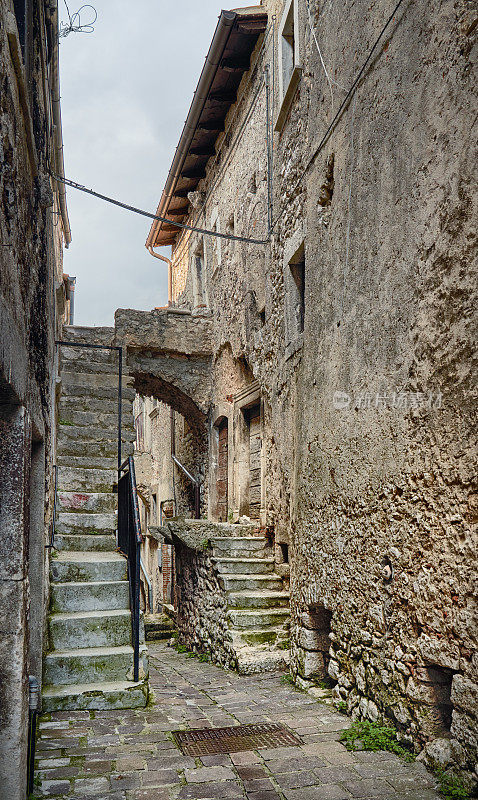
(255, 443)
(221, 479)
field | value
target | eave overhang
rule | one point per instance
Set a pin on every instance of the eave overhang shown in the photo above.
(228, 59)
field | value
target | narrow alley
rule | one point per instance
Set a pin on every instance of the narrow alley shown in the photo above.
(130, 755)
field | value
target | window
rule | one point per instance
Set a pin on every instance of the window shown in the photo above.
(139, 426)
(289, 64)
(287, 44)
(294, 286)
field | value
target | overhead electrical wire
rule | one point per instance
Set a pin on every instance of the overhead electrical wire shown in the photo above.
(329, 79)
(74, 24)
(317, 150)
(140, 211)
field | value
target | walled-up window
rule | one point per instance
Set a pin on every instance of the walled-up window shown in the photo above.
(294, 280)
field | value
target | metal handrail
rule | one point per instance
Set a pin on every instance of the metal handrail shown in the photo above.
(51, 543)
(194, 481)
(148, 584)
(130, 539)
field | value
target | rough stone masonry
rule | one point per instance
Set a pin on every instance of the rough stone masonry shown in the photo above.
(356, 324)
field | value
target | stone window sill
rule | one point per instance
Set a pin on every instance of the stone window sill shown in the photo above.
(288, 98)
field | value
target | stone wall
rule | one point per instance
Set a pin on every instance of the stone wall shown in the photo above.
(200, 601)
(367, 411)
(32, 233)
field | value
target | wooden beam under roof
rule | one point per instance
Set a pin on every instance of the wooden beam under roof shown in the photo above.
(206, 150)
(211, 125)
(178, 212)
(224, 96)
(235, 64)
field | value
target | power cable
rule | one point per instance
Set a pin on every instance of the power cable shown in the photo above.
(74, 24)
(344, 102)
(140, 211)
(329, 79)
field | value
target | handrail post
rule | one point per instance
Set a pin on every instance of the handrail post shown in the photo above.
(120, 401)
(137, 615)
(129, 542)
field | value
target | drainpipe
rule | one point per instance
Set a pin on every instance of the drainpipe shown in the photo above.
(150, 250)
(58, 138)
(71, 287)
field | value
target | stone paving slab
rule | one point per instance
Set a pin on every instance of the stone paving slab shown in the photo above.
(130, 755)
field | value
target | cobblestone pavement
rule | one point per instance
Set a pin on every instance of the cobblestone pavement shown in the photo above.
(128, 755)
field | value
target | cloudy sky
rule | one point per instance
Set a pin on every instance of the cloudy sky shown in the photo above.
(125, 93)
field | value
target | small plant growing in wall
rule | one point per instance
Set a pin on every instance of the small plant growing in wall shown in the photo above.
(451, 786)
(205, 544)
(366, 735)
(342, 707)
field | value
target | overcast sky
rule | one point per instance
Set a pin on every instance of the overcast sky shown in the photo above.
(125, 93)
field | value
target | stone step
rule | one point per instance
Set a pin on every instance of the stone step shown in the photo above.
(252, 660)
(271, 637)
(78, 542)
(245, 582)
(89, 480)
(158, 626)
(87, 566)
(93, 665)
(89, 411)
(88, 462)
(95, 696)
(247, 566)
(241, 547)
(73, 360)
(91, 434)
(89, 629)
(257, 599)
(258, 619)
(89, 596)
(88, 335)
(97, 502)
(86, 391)
(89, 448)
(93, 379)
(69, 522)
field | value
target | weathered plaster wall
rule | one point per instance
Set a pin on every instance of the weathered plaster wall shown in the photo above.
(373, 488)
(31, 241)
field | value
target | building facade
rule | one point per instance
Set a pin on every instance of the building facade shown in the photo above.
(328, 150)
(34, 298)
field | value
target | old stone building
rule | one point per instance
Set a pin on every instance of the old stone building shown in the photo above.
(321, 340)
(34, 299)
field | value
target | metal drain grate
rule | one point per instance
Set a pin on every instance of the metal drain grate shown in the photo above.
(209, 741)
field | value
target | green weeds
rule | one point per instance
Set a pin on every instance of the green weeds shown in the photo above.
(451, 786)
(366, 735)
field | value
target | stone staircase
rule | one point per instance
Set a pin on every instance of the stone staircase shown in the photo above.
(258, 605)
(90, 661)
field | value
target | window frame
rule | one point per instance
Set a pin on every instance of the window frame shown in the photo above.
(294, 295)
(287, 89)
